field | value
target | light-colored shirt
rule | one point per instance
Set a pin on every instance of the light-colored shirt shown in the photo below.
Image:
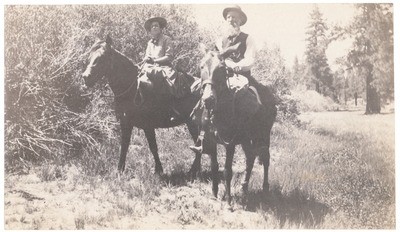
(163, 47)
(249, 56)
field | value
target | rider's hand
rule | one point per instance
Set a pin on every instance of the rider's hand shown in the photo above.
(149, 60)
(229, 71)
(237, 69)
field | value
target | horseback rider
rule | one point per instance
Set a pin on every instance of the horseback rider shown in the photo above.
(159, 53)
(237, 49)
(158, 75)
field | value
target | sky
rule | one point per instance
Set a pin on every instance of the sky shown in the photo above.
(282, 25)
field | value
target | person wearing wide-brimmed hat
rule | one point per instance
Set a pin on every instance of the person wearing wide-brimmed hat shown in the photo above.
(158, 75)
(237, 47)
(159, 48)
(158, 59)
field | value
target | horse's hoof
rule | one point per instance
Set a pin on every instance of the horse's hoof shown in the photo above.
(266, 188)
(159, 171)
(194, 172)
(229, 200)
(215, 192)
(118, 175)
(245, 188)
(230, 207)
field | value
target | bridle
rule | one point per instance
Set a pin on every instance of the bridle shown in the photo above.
(123, 93)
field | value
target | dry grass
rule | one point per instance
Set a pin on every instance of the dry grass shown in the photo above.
(336, 171)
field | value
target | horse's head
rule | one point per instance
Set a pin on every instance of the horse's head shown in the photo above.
(213, 77)
(98, 62)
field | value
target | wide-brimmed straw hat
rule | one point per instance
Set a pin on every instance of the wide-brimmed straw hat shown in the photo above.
(237, 9)
(162, 21)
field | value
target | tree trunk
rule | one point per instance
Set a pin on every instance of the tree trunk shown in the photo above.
(373, 105)
(317, 87)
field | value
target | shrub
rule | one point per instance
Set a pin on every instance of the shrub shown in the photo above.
(270, 70)
(310, 100)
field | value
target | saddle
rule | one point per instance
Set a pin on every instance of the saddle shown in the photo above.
(246, 99)
(234, 108)
(164, 80)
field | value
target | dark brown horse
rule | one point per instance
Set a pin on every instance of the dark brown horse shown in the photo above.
(223, 125)
(122, 75)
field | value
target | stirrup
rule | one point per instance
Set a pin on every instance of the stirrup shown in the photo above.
(175, 115)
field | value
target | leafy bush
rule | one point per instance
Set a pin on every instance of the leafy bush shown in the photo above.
(43, 103)
(311, 101)
(270, 70)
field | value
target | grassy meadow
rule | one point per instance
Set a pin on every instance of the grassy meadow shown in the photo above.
(335, 170)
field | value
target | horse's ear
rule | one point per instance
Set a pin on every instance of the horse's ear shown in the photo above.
(203, 48)
(108, 40)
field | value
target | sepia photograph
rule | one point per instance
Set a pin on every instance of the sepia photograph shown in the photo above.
(222, 115)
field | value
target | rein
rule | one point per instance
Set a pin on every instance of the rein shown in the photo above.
(127, 90)
(205, 82)
(141, 64)
(233, 116)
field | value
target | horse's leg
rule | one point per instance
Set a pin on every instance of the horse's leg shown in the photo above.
(210, 147)
(250, 157)
(230, 150)
(194, 132)
(214, 171)
(151, 139)
(265, 160)
(126, 129)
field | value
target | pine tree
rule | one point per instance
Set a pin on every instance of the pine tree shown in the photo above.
(372, 54)
(317, 43)
(300, 75)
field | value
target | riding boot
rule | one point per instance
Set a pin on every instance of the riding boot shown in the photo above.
(196, 149)
(145, 84)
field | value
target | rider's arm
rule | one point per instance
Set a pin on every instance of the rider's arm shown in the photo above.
(148, 52)
(249, 57)
(168, 51)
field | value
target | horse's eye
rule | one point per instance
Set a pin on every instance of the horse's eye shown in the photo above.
(202, 67)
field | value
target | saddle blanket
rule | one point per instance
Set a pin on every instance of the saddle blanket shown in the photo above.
(165, 80)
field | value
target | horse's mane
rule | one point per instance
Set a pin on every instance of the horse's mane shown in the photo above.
(96, 45)
(124, 59)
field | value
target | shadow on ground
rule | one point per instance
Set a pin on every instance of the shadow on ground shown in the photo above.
(295, 208)
(182, 178)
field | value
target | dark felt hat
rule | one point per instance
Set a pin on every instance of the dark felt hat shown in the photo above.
(162, 21)
(237, 9)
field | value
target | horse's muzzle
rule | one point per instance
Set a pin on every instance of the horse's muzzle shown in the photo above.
(89, 80)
